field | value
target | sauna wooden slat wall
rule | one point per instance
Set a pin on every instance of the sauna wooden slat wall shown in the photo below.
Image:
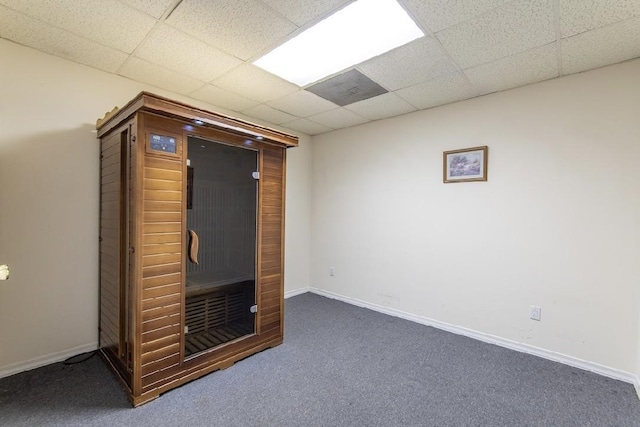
(271, 292)
(143, 244)
(162, 258)
(115, 172)
(110, 194)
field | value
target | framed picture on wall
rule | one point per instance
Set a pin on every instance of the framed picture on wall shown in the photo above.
(468, 164)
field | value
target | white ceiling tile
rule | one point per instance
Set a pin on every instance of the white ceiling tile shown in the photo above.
(146, 72)
(242, 28)
(302, 11)
(382, 106)
(185, 54)
(415, 62)
(38, 35)
(442, 90)
(604, 46)
(532, 66)
(255, 83)
(302, 104)
(437, 15)
(109, 23)
(307, 126)
(271, 115)
(155, 8)
(513, 28)
(338, 118)
(498, 44)
(223, 98)
(578, 16)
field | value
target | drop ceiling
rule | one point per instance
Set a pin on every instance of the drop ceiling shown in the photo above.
(203, 49)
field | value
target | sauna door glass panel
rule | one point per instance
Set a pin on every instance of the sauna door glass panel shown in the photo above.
(221, 251)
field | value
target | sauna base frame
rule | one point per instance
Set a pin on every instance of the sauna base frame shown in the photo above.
(205, 369)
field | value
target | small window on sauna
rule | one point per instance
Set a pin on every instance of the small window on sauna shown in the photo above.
(221, 266)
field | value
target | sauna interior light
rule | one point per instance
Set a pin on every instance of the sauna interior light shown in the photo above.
(361, 30)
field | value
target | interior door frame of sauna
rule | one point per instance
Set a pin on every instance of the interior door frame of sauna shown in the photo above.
(269, 276)
(191, 158)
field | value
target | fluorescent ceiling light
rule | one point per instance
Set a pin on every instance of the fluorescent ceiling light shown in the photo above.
(362, 30)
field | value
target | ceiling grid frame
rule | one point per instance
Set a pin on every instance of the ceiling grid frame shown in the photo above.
(601, 33)
(556, 11)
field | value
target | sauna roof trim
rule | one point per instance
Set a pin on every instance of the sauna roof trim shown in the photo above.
(146, 101)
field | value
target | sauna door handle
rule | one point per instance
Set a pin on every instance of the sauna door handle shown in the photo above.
(193, 247)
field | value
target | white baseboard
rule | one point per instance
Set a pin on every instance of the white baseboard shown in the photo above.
(38, 362)
(48, 359)
(295, 292)
(492, 339)
(15, 368)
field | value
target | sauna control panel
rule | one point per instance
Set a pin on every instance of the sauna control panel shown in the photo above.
(162, 143)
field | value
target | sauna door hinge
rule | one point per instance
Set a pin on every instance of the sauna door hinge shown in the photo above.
(186, 329)
(254, 309)
(255, 175)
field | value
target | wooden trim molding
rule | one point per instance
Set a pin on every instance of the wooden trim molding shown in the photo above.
(146, 101)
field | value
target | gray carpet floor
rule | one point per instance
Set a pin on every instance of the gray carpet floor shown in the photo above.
(339, 366)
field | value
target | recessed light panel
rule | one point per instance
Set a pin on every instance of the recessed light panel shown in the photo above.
(362, 30)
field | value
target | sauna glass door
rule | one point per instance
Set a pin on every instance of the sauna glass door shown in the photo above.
(221, 200)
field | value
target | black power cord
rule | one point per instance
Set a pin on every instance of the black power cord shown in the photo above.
(72, 360)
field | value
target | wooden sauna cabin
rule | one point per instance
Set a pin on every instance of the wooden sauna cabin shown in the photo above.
(191, 242)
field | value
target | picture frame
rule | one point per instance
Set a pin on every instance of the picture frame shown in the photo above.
(465, 165)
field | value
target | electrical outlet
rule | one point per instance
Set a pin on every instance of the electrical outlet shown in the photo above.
(535, 312)
(332, 271)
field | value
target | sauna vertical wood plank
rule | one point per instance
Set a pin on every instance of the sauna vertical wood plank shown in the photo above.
(272, 227)
(114, 298)
(110, 242)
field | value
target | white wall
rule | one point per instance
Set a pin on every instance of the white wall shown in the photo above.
(49, 177)
(556, 225)
(637, 379)
(637, 371)
(297, 244)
